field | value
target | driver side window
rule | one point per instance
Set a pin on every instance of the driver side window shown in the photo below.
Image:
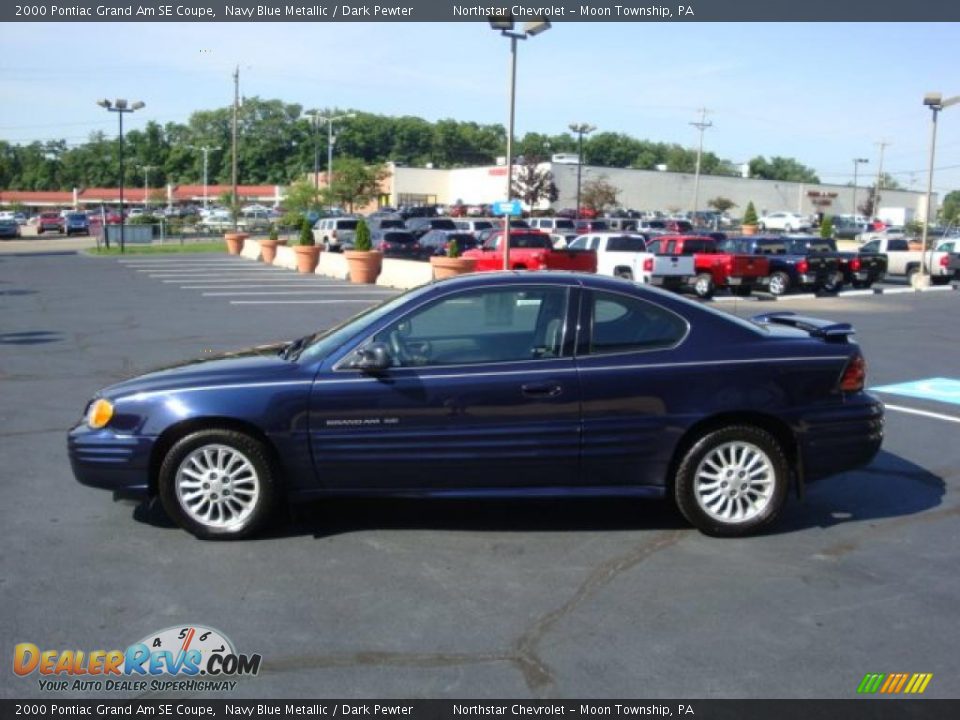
(488, 325)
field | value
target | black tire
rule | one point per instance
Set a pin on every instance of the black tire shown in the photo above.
(703, 286)
(779, 283)
(940, 279)
(261, 469)
(835, 284)
(911, 271)
(773, 471)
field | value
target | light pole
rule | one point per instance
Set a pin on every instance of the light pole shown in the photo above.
(505, 23)
(206, 150)
(580, 129)
(146, 184)
(857, 162)
(936, 102)
(119, 106)
(701, 126)
(329, 120)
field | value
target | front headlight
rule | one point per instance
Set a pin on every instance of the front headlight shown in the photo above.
(100, 413)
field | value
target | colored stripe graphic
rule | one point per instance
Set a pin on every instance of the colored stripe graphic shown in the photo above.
(894, 683)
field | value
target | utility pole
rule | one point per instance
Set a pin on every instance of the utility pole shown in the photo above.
(857, 162)
(876, 195)
(701, 126)
(235, 201)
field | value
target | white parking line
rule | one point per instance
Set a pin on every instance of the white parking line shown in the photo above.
(924, 413)
(330, 293)
(200, 276)
(297, 302)
(239, 278)
(264, 285)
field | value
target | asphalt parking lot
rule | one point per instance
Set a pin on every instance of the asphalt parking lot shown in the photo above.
(469, 600)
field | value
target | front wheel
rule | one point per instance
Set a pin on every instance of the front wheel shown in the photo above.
(732, 481)
(703, 285)
(218, 484)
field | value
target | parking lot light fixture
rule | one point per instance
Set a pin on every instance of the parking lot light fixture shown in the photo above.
(936, 103)
(505, 24)
(119, 106)
(580, 129)
(329, 120)
(206, 150)
(857, 162)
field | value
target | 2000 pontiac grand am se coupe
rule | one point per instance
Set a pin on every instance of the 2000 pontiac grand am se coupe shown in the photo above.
(493, 385)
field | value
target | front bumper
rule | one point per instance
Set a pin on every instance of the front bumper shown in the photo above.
(109, 461)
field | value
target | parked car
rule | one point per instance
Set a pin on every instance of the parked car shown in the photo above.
(421, 225)
(335, 234)
(9, 228)
(590, 226)
(626, 256)
(890, 232)
(513, 384)
(76, 223)
(396, 244)
(790, 268)
(551, 225)
(50, 222)
(384, 221)
(474, 225)
(904, 263)
(847, 228)
(436, 242)
(784, 221)
(860, 270)
(716, 268)
(530, 250)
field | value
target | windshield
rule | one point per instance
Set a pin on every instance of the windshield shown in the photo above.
(321, 344)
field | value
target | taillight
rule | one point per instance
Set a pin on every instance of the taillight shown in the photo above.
(944, 260)
(855, 264)
(385, 245)
(802, 267)
(648, 265)
(854, 375)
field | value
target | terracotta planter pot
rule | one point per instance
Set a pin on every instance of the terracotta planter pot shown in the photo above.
(268, 250)
(235, 242)
(364, 265)
(749, 229)
(307, 257)
(445, 267)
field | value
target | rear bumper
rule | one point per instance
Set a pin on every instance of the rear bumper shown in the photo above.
(106, 460)
(841, 438)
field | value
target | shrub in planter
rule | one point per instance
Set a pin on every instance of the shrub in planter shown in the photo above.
(364, 262)
(268, 247)
(452, 263)
(826, 227)
(307, 251)
(749, 224)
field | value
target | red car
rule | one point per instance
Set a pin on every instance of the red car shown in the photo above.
(530, 250)
(50, 221)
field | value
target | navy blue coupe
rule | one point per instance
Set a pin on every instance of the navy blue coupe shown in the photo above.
(494, 385)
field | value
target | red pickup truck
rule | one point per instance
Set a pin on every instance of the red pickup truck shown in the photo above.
(530, 250)
(715, 269)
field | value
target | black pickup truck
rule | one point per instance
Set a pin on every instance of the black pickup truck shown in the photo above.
(953, 265)
(861, 270)
(788, 269)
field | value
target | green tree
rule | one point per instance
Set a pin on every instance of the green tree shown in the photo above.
(354, 183)
(826, 227)
(950, 210)
(598, 195)
(302, 197)
(721, 204)
(750, 214)
(532, 185)
(361, 241)
(306, 234)
(781, 168)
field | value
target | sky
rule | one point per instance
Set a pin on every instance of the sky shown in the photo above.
(821, 93)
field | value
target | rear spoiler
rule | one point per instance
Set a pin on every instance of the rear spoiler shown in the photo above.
(826, 329)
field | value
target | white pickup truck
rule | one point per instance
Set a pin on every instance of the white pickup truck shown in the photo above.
(625, 255)
(905, 263)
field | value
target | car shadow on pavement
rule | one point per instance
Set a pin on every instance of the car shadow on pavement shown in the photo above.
(33, 337)
(890, 487)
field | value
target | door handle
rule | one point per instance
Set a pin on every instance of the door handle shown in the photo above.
(539, 390)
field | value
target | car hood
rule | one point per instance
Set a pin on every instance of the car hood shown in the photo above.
(261, 363)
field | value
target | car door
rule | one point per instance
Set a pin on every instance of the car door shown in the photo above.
(482, 394)
(626, 359)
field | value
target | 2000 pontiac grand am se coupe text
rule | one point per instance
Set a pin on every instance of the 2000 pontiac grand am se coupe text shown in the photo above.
(511, 384)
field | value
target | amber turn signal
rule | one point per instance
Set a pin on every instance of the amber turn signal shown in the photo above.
(99, 414)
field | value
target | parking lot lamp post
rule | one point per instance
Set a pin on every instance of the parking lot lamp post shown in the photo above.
(120, 107)
(504, 24)
(580, 129)
(329, 120)
(936, 103)
(146, 184)
(857, 162)
(206, 151)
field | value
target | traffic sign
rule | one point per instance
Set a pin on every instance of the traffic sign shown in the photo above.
(507, 207)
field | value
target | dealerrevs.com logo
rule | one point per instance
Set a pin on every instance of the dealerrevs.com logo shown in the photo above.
(199, 658)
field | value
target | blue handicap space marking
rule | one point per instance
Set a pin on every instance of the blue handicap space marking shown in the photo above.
(939, 389)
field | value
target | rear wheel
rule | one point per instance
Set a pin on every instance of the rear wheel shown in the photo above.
(703, 285)
(834, 284)
(218, 484)
(732, 481)
(779, 283)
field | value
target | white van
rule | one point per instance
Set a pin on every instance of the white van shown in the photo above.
(551, 225)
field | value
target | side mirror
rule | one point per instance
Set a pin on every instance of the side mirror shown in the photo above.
(375, 357)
